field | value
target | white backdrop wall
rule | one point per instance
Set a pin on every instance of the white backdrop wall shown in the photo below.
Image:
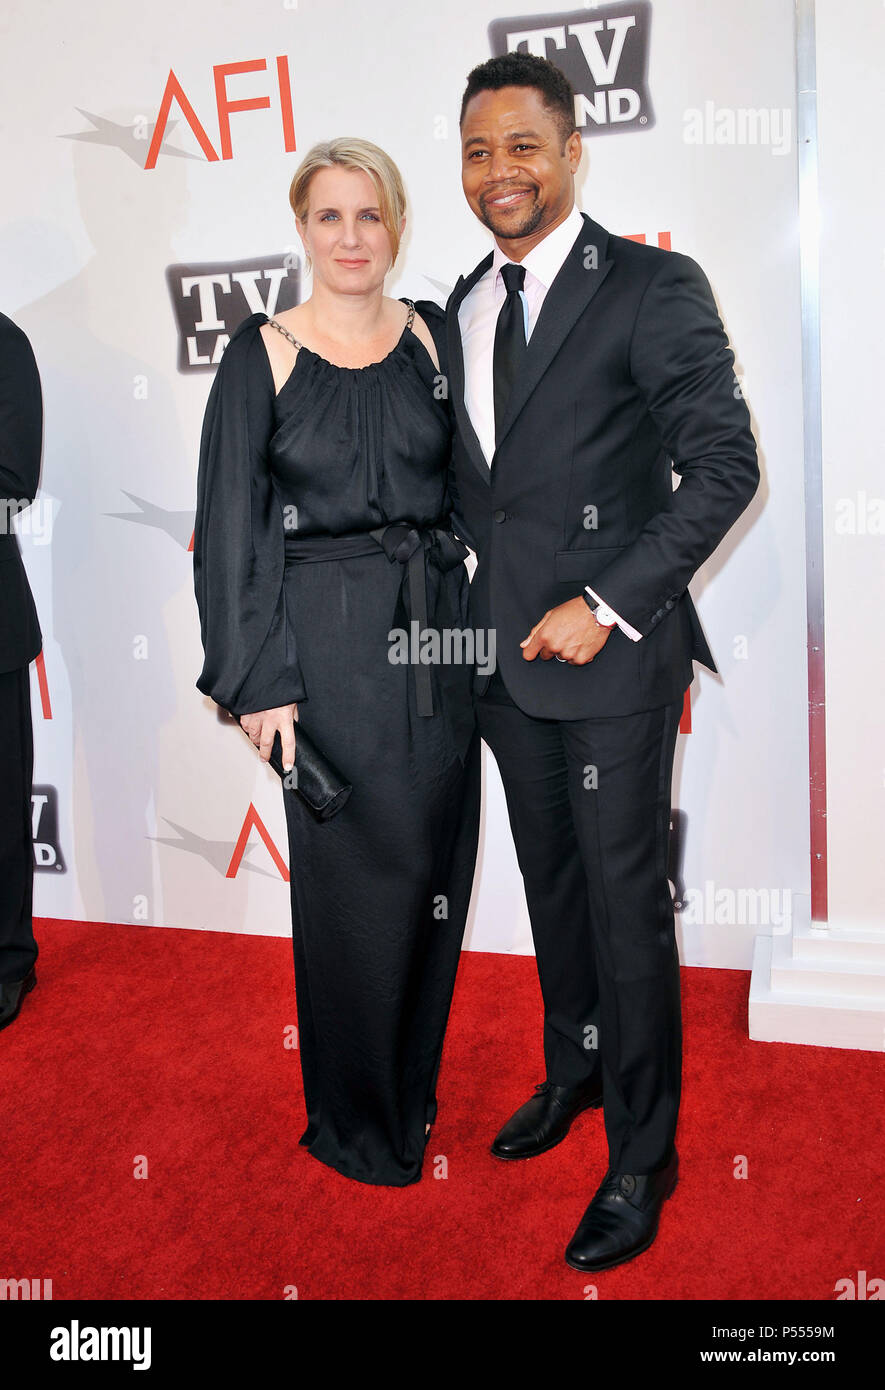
(152, 792)
(852, 198)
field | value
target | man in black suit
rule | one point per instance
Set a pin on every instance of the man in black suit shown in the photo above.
(585, 368)
(21, 433)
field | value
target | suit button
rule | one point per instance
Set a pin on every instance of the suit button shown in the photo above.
(499, 515)
(669, 603)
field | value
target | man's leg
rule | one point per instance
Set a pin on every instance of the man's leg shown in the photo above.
(621, 814)
(530, 757)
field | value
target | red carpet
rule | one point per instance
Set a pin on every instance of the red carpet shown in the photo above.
(170, 1045)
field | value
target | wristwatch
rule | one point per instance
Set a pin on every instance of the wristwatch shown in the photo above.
(603, 615)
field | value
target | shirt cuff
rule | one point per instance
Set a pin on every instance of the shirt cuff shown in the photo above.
(607, 616)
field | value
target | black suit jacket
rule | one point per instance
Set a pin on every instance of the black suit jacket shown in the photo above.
(627, 370)
(21, 435)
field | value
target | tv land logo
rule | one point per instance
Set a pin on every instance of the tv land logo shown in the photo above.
(48, 857)
(211, 299)
(604, 54)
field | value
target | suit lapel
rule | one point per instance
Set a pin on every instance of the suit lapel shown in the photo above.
(456, 366)
(564, 303)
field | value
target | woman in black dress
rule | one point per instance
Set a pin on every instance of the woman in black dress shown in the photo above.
(322, 527)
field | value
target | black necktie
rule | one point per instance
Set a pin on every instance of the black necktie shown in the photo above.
(509, 341)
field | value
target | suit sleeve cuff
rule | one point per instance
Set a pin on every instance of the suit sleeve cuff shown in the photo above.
(607, 616)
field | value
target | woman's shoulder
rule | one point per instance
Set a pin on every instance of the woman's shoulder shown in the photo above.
(249, 326)
(244, 368)
(430, 311)
(433, 319)
(244, 336)
(245, 353)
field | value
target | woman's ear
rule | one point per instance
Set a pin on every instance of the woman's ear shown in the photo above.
(402, 227)
(299, 227)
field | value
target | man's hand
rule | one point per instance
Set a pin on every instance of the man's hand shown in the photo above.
(262, 726)
(569, 631)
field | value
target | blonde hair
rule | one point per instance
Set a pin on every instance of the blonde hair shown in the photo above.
(348, 153)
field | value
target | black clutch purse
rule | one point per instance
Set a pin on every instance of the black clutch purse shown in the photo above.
(316, 781)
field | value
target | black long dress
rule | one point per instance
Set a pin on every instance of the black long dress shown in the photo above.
(297, 600)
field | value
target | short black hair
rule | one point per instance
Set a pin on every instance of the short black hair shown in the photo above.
(525, 70)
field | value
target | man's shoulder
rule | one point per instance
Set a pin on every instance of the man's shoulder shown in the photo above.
(459, 293)
(13, 338)
(19, 372)
(645, 261)
(10, 330)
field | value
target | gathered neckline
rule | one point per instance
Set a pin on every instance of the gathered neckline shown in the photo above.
(356, 372)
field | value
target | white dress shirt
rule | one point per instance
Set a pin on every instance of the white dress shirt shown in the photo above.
(477, 320)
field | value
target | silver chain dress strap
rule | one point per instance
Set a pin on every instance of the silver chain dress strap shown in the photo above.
(286, 334)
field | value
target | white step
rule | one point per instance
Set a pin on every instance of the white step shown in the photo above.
(858, 945)
(816, 1018)
(827, 970)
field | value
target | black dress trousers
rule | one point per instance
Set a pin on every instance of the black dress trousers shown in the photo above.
(589, 808)
(18, 949)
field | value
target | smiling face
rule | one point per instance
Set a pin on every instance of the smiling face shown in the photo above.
(349, 246)
(516, 174)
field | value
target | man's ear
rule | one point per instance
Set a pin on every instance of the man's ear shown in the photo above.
(574, 148)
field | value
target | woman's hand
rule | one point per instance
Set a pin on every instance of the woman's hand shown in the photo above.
(262, 726)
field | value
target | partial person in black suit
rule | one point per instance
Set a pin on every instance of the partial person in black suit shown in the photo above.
(21, 434)
(585, 368)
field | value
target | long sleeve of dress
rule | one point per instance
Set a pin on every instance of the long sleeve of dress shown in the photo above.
(239, 551)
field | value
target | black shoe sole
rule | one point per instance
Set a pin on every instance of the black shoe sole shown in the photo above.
(518, 1158)
(30, 981)
(623, 1259)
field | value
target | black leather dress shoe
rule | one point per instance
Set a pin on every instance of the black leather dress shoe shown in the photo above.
(622, 1220)
(545, 1119)
(11, 995)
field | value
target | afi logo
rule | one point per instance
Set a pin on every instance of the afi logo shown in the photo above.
(210, 300)
(604, 54)
(224, 105)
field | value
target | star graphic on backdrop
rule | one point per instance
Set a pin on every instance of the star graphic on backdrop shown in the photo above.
(178, 525)
(218, 853)
(444, 289)
(123, 137)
